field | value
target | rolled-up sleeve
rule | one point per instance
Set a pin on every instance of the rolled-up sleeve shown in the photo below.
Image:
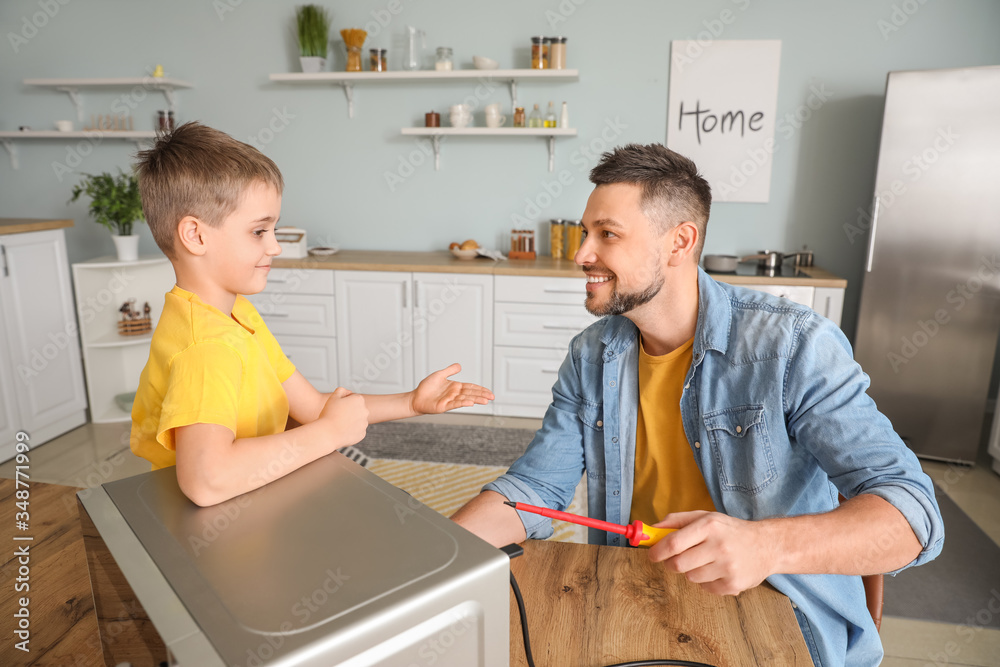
(548, 472)
(830, 413)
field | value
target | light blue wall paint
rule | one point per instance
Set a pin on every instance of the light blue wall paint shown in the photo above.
(335, 168)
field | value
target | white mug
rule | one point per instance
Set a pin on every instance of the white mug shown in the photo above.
(460, 120)
(493, 109)
(461, 109)
(64, 125)
(493, 120)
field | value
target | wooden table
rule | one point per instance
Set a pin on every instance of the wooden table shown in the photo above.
(587, 606)
(63, 624)
(590, 606)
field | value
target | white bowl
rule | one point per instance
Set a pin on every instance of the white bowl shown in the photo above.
(482, 62)
(464, 254)
(323, 251)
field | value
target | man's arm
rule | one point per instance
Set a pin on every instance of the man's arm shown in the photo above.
(213, 466)
(488, 517)
(865, 535)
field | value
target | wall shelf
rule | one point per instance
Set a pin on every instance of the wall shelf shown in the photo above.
(73, 86)
(435, 133)
(347, 80)
(7, 139)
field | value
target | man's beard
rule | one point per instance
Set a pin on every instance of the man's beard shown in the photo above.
(620, 303)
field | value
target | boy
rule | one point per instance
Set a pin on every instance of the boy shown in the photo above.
(217, 390)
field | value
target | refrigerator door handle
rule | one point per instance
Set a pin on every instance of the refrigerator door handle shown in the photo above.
(871, 237)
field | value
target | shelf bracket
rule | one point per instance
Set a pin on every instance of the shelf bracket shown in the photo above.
(12, 151)
(171, 99)
(77, 99)
(436, 141)
(349, 93)
(552, 153)
(513, 94)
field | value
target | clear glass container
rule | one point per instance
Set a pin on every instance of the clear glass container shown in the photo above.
(444, 62)
(539, 53)
(557, 53)
(574, 238)
(550, 116)
(519, 117)
(535, 118)
(377, 58)
(557, 238)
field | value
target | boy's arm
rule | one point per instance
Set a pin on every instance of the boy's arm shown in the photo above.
(214, 466)
(435, 394)
(305, 402)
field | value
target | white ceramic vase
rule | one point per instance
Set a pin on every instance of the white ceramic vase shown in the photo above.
(127, 247)
(312, 64)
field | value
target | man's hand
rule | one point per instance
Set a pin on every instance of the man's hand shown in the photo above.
(436, 393)
(726, 556)
(346, 415)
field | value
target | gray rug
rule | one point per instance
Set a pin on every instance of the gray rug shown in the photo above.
(437, 443)
(961, 586)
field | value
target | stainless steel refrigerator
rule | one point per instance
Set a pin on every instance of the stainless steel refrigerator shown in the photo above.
(930, 299)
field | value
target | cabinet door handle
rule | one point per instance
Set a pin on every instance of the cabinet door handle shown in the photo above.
(563, 327)
(278, 315)
(416, 294)
(550, 370)
(556, 290)
(406, 297)
(3, 251)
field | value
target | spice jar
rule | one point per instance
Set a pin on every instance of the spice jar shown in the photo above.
(557, 53)
(519, 117)
(432, 119)
(539, 53)
(377, 58)
(574, 238)
(556, 238)
(165, 121)
(443, 63)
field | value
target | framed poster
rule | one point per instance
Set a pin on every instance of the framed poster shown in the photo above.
(721, 113)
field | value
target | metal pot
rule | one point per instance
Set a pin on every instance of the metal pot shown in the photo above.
(803, 257)
(721, 263)
(766, 259)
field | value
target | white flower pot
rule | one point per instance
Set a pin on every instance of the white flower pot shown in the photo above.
(127, 247)
(312, 64)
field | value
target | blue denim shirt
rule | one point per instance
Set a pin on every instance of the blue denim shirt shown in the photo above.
(776, 413)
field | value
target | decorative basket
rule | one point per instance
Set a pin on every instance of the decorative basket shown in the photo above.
(136, 327)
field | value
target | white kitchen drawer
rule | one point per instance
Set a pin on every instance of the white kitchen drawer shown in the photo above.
(297, 314)
(797, 293)
(538, 289)
(523, 379)
(536, 325)
(299, 281)
(315, 357)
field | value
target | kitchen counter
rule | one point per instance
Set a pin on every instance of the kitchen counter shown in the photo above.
(444, 262)
(20, 225)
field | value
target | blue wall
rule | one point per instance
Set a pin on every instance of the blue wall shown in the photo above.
(336, 169)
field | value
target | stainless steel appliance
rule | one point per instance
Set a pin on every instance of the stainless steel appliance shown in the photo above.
(930, 312)
(329, 565)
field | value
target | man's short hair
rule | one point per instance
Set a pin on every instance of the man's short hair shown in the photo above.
(199, 171)
(672, 189)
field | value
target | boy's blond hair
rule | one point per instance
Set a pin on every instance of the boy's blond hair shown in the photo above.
(198, 171)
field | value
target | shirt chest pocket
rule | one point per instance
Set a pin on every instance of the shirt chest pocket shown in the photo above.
(740, 448)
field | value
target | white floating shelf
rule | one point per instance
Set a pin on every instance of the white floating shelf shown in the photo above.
(347, 80)
(7, 139)
(115, 339)
(435, 133)
(72, 87)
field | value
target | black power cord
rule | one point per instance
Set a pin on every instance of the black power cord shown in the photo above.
(515, 550)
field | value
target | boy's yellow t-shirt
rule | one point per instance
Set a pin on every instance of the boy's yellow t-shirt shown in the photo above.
(667, 478)
(206, 367)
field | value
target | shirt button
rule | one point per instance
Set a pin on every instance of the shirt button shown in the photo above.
(599, 423)
(739, 429)
(616, 492)
(615, 440)
(611, 384)
(697, 445)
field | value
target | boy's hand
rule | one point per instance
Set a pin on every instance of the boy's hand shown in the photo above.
(436, 393)
(346, 415)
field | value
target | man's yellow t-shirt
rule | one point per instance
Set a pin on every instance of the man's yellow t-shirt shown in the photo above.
(206, 367)
(667, 479)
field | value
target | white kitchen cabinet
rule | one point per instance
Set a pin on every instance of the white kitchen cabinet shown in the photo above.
(114, 362)
(394, 328)
(299, 308)
(827, 301)
(798, 293)
(535, 318)
(42, 388)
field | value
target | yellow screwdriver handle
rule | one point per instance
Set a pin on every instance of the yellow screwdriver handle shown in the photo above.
(653, 535)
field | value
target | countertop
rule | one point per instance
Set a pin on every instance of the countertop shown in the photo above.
(444, 262)
(20, 225)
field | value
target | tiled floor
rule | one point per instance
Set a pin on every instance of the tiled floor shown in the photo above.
(98, 453)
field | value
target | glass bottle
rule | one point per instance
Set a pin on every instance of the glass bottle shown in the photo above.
(564, 117)
(535, 118)
(443, 63)
(550, 116)
(519, 117)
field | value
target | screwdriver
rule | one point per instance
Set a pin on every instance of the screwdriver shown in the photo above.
(638, 533)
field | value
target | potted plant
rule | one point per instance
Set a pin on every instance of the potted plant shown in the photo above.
(313, 30)
(116, 204)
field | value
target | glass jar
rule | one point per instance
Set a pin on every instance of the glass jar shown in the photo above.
(443, 63)
(574, 238)
(353, 59)
(556, 238)
(377, 59)
(539, 53)
(557, 53)
(519, 117)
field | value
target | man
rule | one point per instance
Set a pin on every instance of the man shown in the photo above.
(729, 415)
